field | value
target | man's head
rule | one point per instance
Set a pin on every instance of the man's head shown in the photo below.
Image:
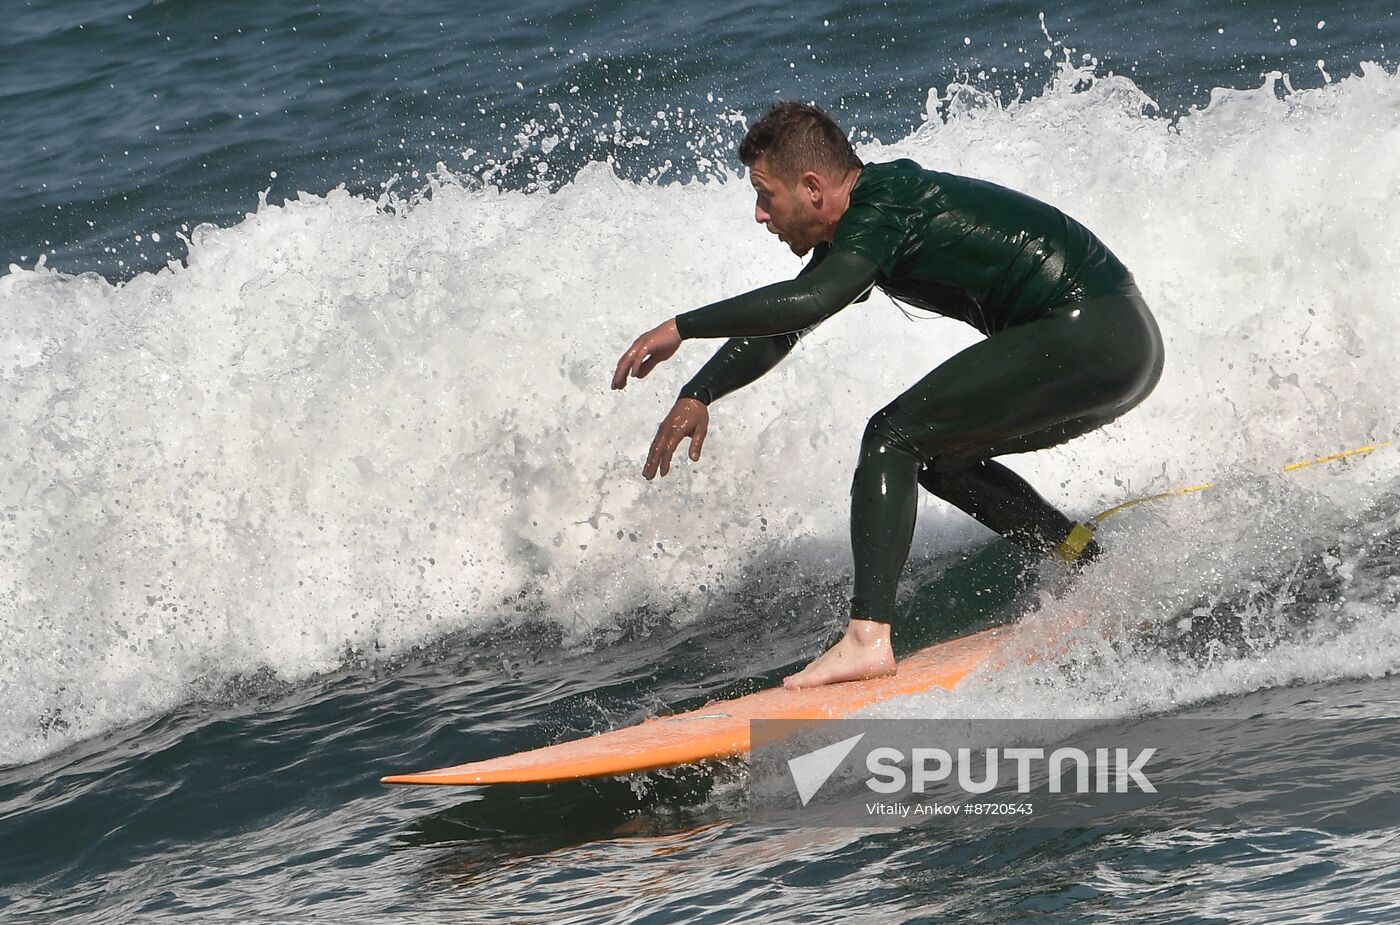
(802, 168)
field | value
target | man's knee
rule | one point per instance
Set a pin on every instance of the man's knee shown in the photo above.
(884, 434)
(884, 445)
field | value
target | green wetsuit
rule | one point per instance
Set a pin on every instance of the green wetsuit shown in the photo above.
(1070, 346)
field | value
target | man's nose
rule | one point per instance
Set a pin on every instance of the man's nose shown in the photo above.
(760, 216)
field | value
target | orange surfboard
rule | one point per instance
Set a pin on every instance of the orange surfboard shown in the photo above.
(719, 729)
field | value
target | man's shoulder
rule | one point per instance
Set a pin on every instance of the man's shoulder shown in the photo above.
(879, 181)
(891, 170)
(897, 167)
(882, 208)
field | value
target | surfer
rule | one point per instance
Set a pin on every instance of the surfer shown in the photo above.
(1070, 345)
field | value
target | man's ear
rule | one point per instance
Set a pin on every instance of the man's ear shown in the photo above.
(813, 186)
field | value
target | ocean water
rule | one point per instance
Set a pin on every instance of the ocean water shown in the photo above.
(311, 472)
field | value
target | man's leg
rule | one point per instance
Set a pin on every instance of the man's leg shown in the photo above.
(884, 500)
(1024, 389)
(999, 499)
(1006, 504)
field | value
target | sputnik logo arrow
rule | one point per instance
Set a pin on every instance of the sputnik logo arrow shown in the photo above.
(812, 770)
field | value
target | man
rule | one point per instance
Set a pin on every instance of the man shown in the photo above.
(1070, 346)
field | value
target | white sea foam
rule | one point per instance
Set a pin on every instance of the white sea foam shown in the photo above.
(343, 426)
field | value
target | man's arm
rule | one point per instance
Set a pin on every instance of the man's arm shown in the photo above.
(743, 360)
(775, 317)
(835, 281)
(740, 361)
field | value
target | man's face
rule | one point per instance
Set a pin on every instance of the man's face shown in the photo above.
(786, 210)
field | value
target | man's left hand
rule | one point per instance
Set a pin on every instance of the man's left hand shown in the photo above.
(689, 418)
(660, 343)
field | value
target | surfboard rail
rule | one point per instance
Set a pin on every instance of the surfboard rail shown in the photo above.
(720, 729)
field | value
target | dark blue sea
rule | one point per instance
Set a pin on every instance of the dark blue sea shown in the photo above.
(310, 471)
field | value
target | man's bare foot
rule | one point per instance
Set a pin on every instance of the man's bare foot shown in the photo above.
(863, 653)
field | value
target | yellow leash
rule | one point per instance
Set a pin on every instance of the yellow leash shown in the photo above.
(1176, 492)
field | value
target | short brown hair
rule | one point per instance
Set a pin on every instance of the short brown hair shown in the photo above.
(797, 137)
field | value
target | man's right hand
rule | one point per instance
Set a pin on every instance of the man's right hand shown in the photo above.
(688, 418)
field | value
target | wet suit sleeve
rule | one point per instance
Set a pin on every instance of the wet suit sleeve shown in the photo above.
(740, 361)
(743, 360)
(788, 307)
